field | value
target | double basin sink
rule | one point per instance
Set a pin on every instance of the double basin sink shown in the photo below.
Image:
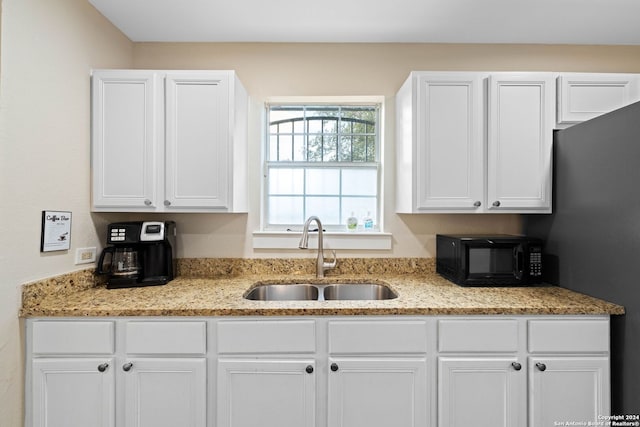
(320, 292)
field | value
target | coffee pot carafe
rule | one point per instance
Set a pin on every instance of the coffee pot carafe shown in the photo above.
(124, 262)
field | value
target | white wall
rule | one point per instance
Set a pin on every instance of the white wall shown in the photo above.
(48, 48)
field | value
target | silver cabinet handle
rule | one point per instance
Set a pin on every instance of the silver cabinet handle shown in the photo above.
(127, 367)
(309, 369)
(334, 367)
(541, 366)
(167, 203)
(477, 204)
(147, 202)
(496, 203)
(103, 367)
(516, 366)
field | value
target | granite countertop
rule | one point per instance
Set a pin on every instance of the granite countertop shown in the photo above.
(217, 287)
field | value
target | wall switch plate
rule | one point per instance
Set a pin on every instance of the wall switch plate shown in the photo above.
(85, 255)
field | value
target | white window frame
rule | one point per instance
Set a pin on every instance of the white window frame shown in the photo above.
(279, 237)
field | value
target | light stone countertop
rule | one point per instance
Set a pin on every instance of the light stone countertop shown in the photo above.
(216, 288)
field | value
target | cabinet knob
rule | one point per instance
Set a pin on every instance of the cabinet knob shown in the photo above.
(334, 367)
(309, 369)
(496, 203)
(167, 203)
(541, 366)
(147, 202)
(516, 366)
(127, 367)
(103, 367)
(477, 204)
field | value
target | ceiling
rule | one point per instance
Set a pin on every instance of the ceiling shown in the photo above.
(402, 21)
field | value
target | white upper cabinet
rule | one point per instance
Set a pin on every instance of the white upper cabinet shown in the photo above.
(474, 142)
(520, 140)
(126, 130)
(197, 118)
(583, 96)
(169, 141)
(440, 144)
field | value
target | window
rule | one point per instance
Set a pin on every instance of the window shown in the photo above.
(322, 160)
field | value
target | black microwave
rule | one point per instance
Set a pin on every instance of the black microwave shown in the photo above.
(495, 260)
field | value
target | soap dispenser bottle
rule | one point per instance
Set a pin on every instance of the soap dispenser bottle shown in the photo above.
(368, 222)
(352, 223)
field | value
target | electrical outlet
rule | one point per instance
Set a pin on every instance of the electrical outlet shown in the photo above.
(85, 255)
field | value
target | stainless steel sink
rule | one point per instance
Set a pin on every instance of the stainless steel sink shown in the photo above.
(320, 292)
(283, 292)
(358, 291)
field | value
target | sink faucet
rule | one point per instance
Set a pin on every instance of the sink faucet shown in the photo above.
(321, 266)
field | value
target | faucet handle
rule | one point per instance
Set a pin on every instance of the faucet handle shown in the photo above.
(333, 263)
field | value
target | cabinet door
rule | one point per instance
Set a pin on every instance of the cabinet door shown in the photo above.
(521, 121)
(450, 143)
(197, 140)
(583, 96)
(74, 392)
(378, 392)
(266, 393)
(568, 389)
(165, 392)
(481, 392)
(126, 131)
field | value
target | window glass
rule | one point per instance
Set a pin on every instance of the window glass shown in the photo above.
(321, 160)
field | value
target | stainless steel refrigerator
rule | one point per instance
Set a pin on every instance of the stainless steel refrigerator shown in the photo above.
(593, 236)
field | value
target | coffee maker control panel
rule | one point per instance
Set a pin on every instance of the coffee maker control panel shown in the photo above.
(123, 233)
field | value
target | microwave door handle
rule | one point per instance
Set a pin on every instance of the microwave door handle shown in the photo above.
(518, 261)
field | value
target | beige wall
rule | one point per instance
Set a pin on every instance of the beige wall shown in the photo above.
(355, 69)
(48, 48)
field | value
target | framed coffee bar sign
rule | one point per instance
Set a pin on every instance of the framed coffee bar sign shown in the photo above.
(56, 231)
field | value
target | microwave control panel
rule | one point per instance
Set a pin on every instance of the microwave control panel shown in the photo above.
(535, 261)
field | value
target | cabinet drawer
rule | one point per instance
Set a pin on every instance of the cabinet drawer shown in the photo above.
(491, 336)
(376, 336)
(73, 337)
(267, 336)
(569, 336)
(166, 337)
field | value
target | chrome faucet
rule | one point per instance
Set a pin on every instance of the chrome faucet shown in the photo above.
(321, 266)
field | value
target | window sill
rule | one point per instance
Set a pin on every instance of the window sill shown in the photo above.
(373, 240)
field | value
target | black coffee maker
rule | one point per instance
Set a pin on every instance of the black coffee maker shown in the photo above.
(141, 254)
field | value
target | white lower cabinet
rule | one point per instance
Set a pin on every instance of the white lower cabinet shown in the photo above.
(481, 392)
(73, 392)
(324, 371)
(568, 389)
(165, 392)
(266, 373)
(377, 372)
(266, 393)
(377, 392)
(569, 373)
(481, 377)
(555, 369)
